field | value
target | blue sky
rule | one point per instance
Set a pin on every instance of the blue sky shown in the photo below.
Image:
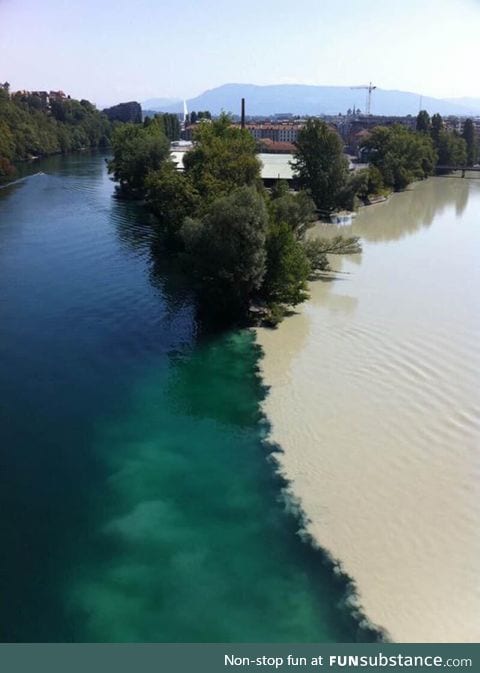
(112, 50)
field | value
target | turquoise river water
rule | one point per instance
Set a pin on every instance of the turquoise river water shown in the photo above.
(138, 501)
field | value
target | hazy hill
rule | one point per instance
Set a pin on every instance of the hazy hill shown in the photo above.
(304, 99)
(471, 103)
(158, 104)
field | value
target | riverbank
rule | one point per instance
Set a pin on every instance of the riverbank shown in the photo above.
(378, 417)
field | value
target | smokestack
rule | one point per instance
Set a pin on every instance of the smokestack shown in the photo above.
(243, 113)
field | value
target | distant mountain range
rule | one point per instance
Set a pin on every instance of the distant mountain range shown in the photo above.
(313, 100)
(471, 103)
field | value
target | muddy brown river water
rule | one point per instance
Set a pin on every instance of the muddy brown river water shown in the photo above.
(375, 400)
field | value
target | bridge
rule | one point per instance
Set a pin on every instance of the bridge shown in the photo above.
(464, 169)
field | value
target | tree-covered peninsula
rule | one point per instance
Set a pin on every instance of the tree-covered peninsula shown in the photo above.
(244, 248)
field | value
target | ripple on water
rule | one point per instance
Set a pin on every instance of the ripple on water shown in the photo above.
(374, 398)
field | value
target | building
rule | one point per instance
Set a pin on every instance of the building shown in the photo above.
(280, 133)
(275, 147)
(57, 95)
(42, 95)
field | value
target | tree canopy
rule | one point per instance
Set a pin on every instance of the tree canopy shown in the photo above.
(226, 250)
(130, 112)
(423, 122)
(222, 159)
(137, 150)
(469, 135)
(171, 197)
(320, 164)
(451, 149)
(168, 122)
(297, 210)
(400, 155)
(287, 267)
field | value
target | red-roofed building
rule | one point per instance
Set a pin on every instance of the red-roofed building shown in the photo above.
(271, 146)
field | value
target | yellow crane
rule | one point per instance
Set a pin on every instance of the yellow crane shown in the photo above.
(369, 88)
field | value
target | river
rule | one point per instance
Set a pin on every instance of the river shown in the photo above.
(374, 398)
(139, 501)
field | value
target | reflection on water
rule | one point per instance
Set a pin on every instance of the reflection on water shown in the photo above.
(406, 212)
(374, 398)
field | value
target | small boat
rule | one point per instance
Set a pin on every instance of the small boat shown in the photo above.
(343, 218)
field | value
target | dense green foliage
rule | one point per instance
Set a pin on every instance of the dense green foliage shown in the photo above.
(226, 250)
(320, 164)
(318, 249)
(222, 159)
(471, 141)
(168, 122)
(436, 128)
(171, 197)
(423, 122)
(298, 210)
(359, 187)
(137, 150)
(287, 267)
(400, 155)
(29, 127)
(125, 112)
(451, 149)
(195, 117)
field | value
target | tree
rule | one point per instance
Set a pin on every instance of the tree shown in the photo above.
(469, 136)
(436, 128)
(355, 188)
(423, 122)
(137, 150)
(318, 249)
(169, 124)
(125, 112)
(452, 149)
(280, 188)
(222, 159)
(287, 267)
(171, 197)
(400, 155)
(375, 181)
(225, 250)
(320, 164)
(297, 210)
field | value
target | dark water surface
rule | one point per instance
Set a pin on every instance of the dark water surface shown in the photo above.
(137, 501)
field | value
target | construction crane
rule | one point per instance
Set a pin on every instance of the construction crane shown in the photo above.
(369, 88)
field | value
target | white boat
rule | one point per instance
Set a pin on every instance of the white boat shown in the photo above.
(343, 218)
